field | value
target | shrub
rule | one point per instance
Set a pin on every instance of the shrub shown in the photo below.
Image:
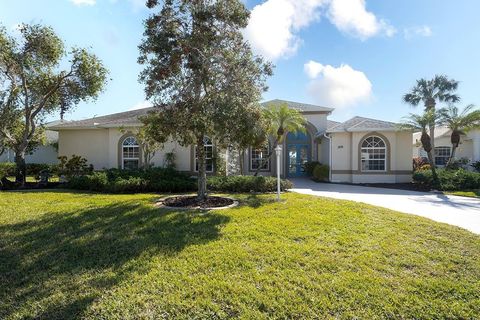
(246, 184)
(34, 169)
(420, 163)
(456, 164)
(97, 181)
(450, 180)
(321, 172)
(73, 167)
(310, 166)
(476, 166)
(7, 169)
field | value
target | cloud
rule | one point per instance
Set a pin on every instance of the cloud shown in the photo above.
(274, 24)
(83, 2)
(418, 31)
(141, 105)
(340, 87)
(352, 17)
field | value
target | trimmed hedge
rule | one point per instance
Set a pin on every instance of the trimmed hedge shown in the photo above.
(321, 172)
(246, 184)
(450, 180)
(7, 169)
(132, 181)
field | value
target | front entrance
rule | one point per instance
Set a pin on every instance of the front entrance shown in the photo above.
(297, 156)
(298, 147)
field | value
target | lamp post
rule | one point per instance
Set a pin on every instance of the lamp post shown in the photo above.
(278, 151)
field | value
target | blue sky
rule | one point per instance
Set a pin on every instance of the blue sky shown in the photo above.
(357, 56)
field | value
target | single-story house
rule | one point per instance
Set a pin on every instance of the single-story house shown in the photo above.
(46, 153)
(469, 147)
(359, 150)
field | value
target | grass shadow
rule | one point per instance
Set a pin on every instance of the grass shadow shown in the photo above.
(99, 246)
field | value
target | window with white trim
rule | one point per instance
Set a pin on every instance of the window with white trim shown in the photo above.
(258, 157)
(442, 154)
(374, 154)
(130, 153)
(208, 147)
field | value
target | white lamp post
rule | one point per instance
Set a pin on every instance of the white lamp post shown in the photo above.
(278, 151)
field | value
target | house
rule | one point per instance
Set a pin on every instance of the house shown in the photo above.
(469, 147)
(46, 153)
(358, 150)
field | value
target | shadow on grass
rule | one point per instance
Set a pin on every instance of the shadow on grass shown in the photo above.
(81, 254)
(254, 201)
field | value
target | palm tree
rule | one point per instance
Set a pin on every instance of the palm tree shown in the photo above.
(459, 123)
(422, 122)
(438, 89)
(281, 119)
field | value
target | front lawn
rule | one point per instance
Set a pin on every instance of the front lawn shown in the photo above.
(466, 193)
(69, 255)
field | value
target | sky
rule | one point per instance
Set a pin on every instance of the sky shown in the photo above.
(357, 56)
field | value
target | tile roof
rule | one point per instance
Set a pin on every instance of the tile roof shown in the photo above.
(363, 124)
(305, 107)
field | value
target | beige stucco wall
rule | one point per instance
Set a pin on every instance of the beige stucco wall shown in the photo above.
(92, 144)
(346, 162)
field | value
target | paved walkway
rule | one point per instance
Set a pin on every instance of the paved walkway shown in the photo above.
(458, 211)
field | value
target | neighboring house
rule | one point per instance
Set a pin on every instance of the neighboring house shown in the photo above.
(42, 154)
(104, 144)
(469, 147)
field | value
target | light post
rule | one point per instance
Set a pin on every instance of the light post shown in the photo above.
(278, 151)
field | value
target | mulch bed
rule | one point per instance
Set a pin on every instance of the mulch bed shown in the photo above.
(193, 202)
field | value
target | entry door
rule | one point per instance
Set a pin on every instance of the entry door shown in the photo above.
(298, 155)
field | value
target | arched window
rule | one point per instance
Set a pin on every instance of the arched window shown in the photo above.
(208, 146)
(374, 154)
(258, 157)
(130, 153)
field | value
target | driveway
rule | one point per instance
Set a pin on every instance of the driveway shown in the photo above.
(458, 211)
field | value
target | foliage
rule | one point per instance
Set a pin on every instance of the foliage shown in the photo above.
(440, 88)
(33, 85)
(200, 74)
(169, 160)
(99, 256)
(422, 122)
(133, 181)
(450, 179)
(459, 123)
(310, 166)
(420, 163)
(6, 169)
(280, 119)
(246, 184)
(476, 165)
(321, 172)
(73, 167)
(455, 164)
(148, 146)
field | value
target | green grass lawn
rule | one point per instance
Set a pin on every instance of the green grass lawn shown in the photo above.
(72, 255)
(466, 193)
(33, 179)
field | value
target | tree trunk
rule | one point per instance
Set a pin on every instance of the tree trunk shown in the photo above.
(452, 156)
(202, 172)
(21, 168)
(430, 105)
(431, 161)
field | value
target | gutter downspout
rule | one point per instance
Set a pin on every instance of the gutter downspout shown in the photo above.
(329, 156)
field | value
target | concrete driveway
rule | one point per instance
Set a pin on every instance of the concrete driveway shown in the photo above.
(458, 211)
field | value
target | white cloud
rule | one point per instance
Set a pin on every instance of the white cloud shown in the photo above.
(418, 31)
(83, 2)
(340, 87)
(273, 26)
(141, 105)
(352, 17)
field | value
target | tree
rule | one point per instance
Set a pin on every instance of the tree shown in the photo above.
(280, 120)
(422, 123)
(438, 89)
(200, 74)
(34, 85)
(458, 123)
(148, 146)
